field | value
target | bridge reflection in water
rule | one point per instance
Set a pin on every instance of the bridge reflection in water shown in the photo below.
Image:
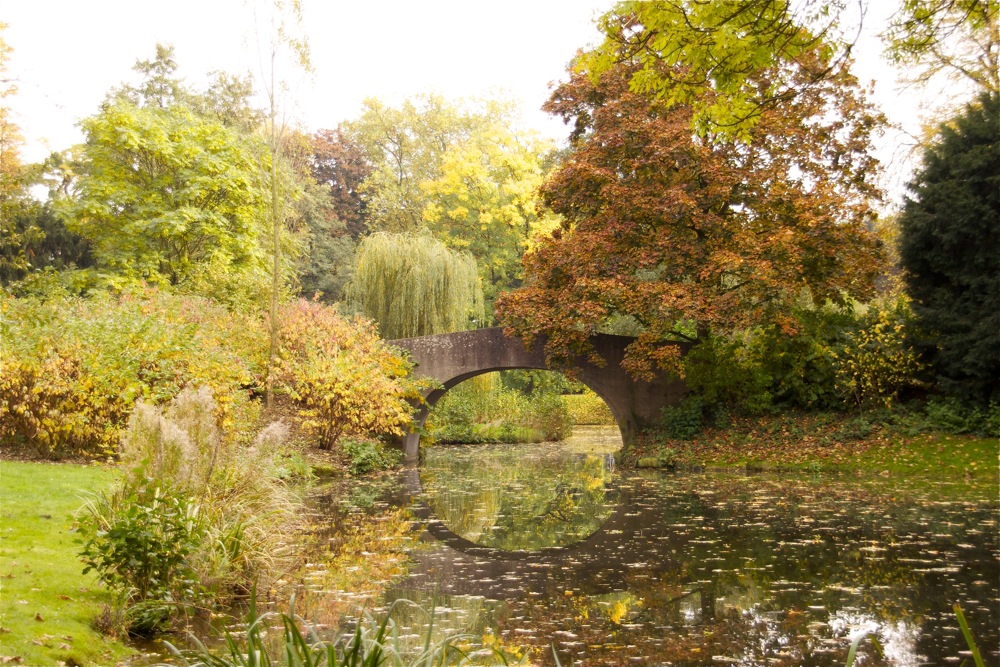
(681, 568)
(620, 546)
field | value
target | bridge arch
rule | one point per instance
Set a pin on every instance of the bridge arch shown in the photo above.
(455, 357)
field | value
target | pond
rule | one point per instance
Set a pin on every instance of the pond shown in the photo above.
(552, 546)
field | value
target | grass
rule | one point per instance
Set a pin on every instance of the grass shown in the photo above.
(47, 606)
(935, 454)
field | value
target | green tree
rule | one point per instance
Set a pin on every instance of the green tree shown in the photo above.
(413, 285)
(15, 202)
(949, 241)
(227, 98)
(958, 38)
(715, 52)
(405, 147)
(463, 170)
(171, 198)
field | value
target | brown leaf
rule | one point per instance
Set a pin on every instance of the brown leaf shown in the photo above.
(38, 617)
(64, 597)
(7, 659)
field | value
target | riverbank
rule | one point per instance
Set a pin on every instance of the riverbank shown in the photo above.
(824, 442)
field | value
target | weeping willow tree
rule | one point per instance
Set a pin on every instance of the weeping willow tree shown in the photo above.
(413, 285)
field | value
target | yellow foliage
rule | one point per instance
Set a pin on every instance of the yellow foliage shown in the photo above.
(877, 362)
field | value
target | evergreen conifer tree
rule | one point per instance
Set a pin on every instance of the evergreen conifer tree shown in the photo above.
(950, 250)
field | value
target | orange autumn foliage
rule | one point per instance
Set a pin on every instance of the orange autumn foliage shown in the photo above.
(691, 234)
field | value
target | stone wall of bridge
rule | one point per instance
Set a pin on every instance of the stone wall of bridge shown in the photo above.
(455, 357)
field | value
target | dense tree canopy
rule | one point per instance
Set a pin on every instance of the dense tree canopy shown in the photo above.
(715, 53)
(950, 250)
(405, 146)
(688, 234)
(485, 201)
(460, 169)
(413, 285)
(169, 197)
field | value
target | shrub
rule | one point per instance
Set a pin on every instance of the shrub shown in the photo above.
(178, 458)
(343, 378)
(141, 547)
(953, 416)
(367, 456)
(682, 421)
(77, 366)
(876, 362)
(855, 355)
(728, 371)
(482, 409)
(588, 408)
(547, 414)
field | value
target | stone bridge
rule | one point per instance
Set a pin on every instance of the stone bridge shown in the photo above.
(455, 357)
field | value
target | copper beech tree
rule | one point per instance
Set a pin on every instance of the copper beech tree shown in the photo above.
(692, 235)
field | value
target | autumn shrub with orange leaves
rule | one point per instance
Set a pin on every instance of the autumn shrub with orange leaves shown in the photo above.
(343, 378)
(74, 367)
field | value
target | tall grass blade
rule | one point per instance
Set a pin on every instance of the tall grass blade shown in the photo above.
(852, 654)
(968, 636)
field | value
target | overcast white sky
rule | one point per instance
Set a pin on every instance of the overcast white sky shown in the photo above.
(69, 53)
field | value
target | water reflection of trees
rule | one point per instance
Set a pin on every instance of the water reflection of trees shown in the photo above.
(757, 570)
(513, 502)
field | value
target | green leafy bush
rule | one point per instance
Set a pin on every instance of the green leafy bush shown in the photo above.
(367, 455)
(728, 371)
(141, 550)
(837, 357)
(954, 416)
(682, 421)
(482, 409)
(547, 414)
(876, 362)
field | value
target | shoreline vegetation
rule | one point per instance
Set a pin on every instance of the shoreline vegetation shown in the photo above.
(51, 610)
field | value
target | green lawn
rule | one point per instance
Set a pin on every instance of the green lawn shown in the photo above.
(47, 606)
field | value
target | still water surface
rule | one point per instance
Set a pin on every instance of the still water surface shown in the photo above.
(551, 546)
